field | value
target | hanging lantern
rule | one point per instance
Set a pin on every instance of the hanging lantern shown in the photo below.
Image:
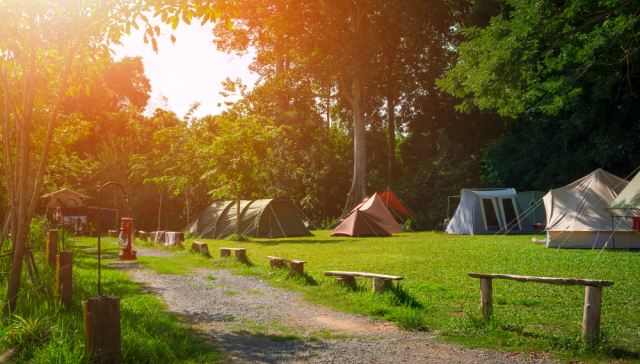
(124, 240)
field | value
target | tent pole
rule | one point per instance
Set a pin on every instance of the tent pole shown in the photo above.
(314, 225)
(274, 215)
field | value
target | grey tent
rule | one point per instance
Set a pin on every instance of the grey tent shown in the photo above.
(531, 202)
(488, 212)
(270, 218)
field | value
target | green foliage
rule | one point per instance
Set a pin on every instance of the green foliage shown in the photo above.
(532, 57)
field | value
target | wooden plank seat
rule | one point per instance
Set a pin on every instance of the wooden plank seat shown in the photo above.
(241, 253)
(201, 248)
(592, 298)
(295, 266)
(380, 281)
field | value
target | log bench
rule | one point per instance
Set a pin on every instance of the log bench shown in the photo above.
(201, 248)
(113, 233)
(295, 266)
(241, 253)
(592, 298)
(380, 281)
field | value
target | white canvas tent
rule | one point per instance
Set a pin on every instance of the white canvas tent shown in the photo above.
(576, 216)
(488, 212)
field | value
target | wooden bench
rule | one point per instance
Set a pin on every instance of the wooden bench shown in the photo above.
(295, 266)
(202, 248)
(380, 281)
(592, 298)
(113, 233)
(241, 253)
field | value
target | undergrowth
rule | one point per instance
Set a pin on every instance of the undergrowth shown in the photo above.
(44, 331)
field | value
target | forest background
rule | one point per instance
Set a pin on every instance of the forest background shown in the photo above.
(578, 114)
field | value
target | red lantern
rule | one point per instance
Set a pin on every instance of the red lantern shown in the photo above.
(125, 240)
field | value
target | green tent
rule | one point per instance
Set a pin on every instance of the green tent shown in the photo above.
(537, 214)
(270, 218)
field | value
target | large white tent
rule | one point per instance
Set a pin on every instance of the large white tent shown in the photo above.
(488, 212)
(576, 216)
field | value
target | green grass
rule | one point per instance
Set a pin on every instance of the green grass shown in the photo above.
(150, 333)
(438, 295)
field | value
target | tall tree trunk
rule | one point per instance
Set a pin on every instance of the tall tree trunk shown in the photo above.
(160, 210)
(237, 212)
(188, 219)
(22, 222)
(391, 103)
(358, 189)
(356, 99)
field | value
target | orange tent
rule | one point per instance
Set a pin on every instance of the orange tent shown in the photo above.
(369, 219)
(391, 201)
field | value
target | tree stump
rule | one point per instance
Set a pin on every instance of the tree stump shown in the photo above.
(591, 317)
(52, 247)
(347, 281)
(104, 330)
(486, 301)
(296, 268)
(381, 284)
(225, 252)
(64, 278)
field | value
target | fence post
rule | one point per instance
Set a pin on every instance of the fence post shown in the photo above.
(64, 277)
(52, 247)
(104, 338)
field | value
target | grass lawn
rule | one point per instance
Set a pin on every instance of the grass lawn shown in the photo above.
(438, 295)
(45, 332)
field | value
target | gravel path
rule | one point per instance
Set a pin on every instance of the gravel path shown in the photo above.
(257, 323)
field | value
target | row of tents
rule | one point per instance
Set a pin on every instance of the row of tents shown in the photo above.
(595, 211)
(280, 218)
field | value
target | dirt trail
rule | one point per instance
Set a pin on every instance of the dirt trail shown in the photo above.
(254, 322)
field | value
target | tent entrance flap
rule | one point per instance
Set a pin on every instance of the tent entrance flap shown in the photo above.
(490, 214)
(512, 219)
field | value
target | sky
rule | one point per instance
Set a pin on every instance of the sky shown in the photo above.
(190, 70)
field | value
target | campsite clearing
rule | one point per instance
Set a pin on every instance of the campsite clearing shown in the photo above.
(436, 293)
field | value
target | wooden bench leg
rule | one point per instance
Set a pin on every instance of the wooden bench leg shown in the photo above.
(379, 284)
(204, 249)
(295, 268)
(277, 264)
(241, 255)
(347, 281)
(591, 318)
(225, 253)
(486, 301)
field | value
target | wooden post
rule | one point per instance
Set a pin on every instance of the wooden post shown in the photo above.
(295, 268)
(347, 281)
(64, 277)
(486, 301)
(379, 284)
(241, 255)
(52, 247)
(104, 330)
(225, 253)
(591, 317)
